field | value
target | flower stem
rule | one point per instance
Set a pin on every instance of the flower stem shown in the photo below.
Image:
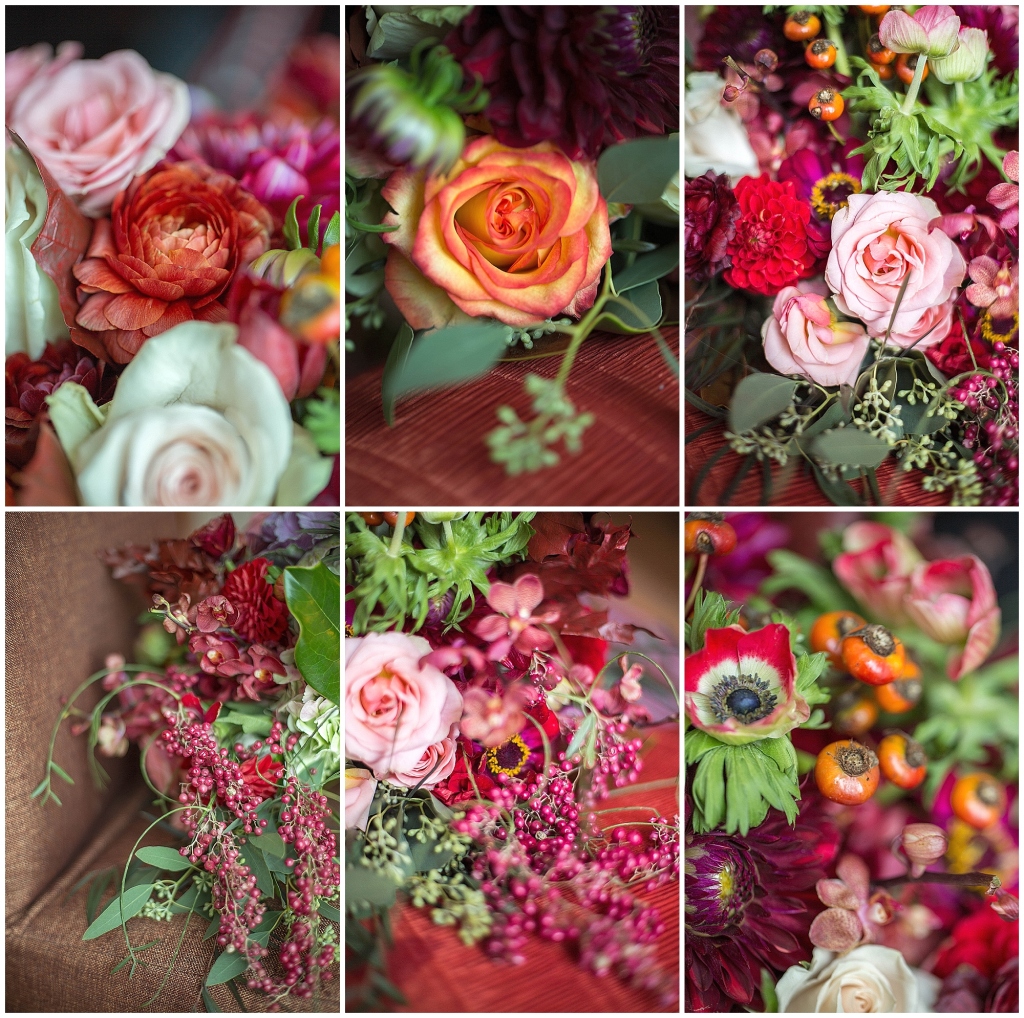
(698, 579)
(842, 61)
(915, 86)
(581, 331)
(957, 879)
(958, 89)
(396, 537)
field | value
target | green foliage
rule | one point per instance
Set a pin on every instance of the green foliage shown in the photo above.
(647, 268)
(768, 994)
(313, 595)
(164, 858)
(759, 398)
(633, 311)
(638, 171)
(793, 572)
(226, 967)
(122, 907)
(710, 611)
(850, 447)
(323, 420)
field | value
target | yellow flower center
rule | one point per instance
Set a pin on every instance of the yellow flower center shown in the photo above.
(826, 203)
(508, 758)
(998, 337)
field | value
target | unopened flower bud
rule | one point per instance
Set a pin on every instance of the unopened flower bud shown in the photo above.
(766, 60)
(731, 93)
(1006, 905)
(923, 844)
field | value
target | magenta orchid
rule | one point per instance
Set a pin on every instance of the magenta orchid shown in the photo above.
(933, 30)
(994, 286)
(490, 718)
(954, 602)
(742, 686)
(853, 914)
(875, 567)
(515, 625)
(1006, 196)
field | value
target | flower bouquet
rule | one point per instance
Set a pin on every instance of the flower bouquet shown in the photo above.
(486, 723)
(234, 707)
(511, 186)
(172, 278)
(851, 253)
(852, 746)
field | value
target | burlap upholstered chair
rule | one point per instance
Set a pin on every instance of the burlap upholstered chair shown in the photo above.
(64, 615)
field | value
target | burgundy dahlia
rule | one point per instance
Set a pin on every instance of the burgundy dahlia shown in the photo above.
(746, 908)
(583, 77)
(261, 617)
(710, 213)
(738, 32)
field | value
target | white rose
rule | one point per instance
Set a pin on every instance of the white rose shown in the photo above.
(868, 979)
(31, 303)
(715, 137)
(195, 420)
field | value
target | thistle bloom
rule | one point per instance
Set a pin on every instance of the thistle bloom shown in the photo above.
(875, 567)
(954, 602)
(742, 686)
(933, 30)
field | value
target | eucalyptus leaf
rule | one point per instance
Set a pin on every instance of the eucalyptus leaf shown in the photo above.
(850, 446)
(393, 367)
(121, 907)
(164, 858)
(647, 268)
(639, 170)
(759, 398)
(455, 354)
(635, 311)
(365, 885)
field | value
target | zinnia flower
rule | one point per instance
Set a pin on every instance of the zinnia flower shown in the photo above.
(583, 77)
(174, 240)
(742, 905)
(522, 755)
(742, 686)
(710, 214)
(261, 617)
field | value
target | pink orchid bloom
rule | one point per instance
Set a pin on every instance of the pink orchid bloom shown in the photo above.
(515, 625)
(1005, 196)
(213, 612)
(954, 602)
(629, 684)
(490, 718)
(852, 917)
(742, 686)
(875, 567)
(994, 286)
(933, 30)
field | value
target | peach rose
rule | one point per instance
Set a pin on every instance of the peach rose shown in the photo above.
(932, 327)
(396, 705)
(878, 240)
(517, 234)
(98, 123)
(436, 763)
(803, 337)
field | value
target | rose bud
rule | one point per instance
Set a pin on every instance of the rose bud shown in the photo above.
(923, 845)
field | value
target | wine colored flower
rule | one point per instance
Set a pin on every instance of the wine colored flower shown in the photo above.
(260, 617)
(769, 249)
(309, 86)
(1000, 25)
(262, 776)
(582, 77)
(804, 337)
(983, 940)
(515, 234)
(933, 31)
(710, 212)
(954, 602)
(875, 566)
(742, 686)
(739, 574)
(98, 123)
(515, 624)
(174, 240)
(214, 612)
(520, 756)
(745, 905)
(883, 244)
(994, 286)
(217, 537)
(1004, 996)
(1006, 196)
(360, 785)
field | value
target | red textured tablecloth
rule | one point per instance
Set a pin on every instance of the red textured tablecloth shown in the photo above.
(789, 486)
(436, 455)
(436, 972)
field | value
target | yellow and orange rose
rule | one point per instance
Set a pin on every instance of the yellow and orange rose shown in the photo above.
(516, 234)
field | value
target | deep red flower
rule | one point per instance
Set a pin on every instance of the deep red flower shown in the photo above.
(217, 537)
(261, 617)
(711, 211)
(457, 787)
(951, 356)
(261, 776)
(769, 249)
(983, 940)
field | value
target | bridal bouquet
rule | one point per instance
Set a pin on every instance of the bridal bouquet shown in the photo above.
(172, 285)
(851, 245)
(234, 706)
(851, 809)
(510, 175)
(485, 720)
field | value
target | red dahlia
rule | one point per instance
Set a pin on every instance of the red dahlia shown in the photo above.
(769, 249)
(261, 617)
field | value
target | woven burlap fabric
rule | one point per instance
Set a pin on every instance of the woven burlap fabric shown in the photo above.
(436, 455)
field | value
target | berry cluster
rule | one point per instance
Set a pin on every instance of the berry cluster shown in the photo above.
(618, 761)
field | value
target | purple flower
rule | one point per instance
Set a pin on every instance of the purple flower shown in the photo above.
(711, 210)
(1000, 24)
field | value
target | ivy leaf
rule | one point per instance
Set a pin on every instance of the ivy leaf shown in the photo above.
(313, 594)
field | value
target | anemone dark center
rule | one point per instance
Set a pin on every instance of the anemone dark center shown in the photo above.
(747, 698)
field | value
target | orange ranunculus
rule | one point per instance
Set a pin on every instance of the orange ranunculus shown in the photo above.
(172, 244)
(517, 234)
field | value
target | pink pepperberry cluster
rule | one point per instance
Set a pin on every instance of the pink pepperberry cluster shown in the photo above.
(618, 761)
(652, 859)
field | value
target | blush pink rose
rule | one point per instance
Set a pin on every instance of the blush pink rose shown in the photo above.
(22, 65)
(875, 566)
(95, 124)
(803, 337)
(954, 602)
(396, 704)
(932, 327)
(436, 763)
(360, 785)
(878, 240)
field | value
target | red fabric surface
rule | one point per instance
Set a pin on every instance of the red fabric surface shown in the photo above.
(437, 972)
(791, 485)
(436, 454)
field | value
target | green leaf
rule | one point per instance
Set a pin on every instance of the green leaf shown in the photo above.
(271, 844)
(213, 929)
(291, 225)
(364, 885)
(332, 235)
(329, 911)
(768, 994)
(40, 787)
(794, 572)
(226, 967)
(393, 367)
(306, 473)
(829, 419)
(809, 668)
(313, 594)
(759, 398)
(639, 170)
(581, 735)
(122, 907)
(709, 786)
(255, 861)
(455, 354)
(164, 858)
(710, 611)
(647, 268)
(850, 446)
(636, 311)
(313, 229)
(63, 773)
(208, 1001)
(96, 891)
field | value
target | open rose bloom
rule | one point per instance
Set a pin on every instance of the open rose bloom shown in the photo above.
(519, 235)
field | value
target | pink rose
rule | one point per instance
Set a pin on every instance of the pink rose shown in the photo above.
(396, 705)
(98, 123)
(932, 327)
(804, 338)
(436, 763)
(22, 65)
(875, 567)
(360, 785)
(878, 241)
(953, 601)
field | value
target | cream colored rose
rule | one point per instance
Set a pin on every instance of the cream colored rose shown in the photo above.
(715, 138)
(866, 980)
(31, 303)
